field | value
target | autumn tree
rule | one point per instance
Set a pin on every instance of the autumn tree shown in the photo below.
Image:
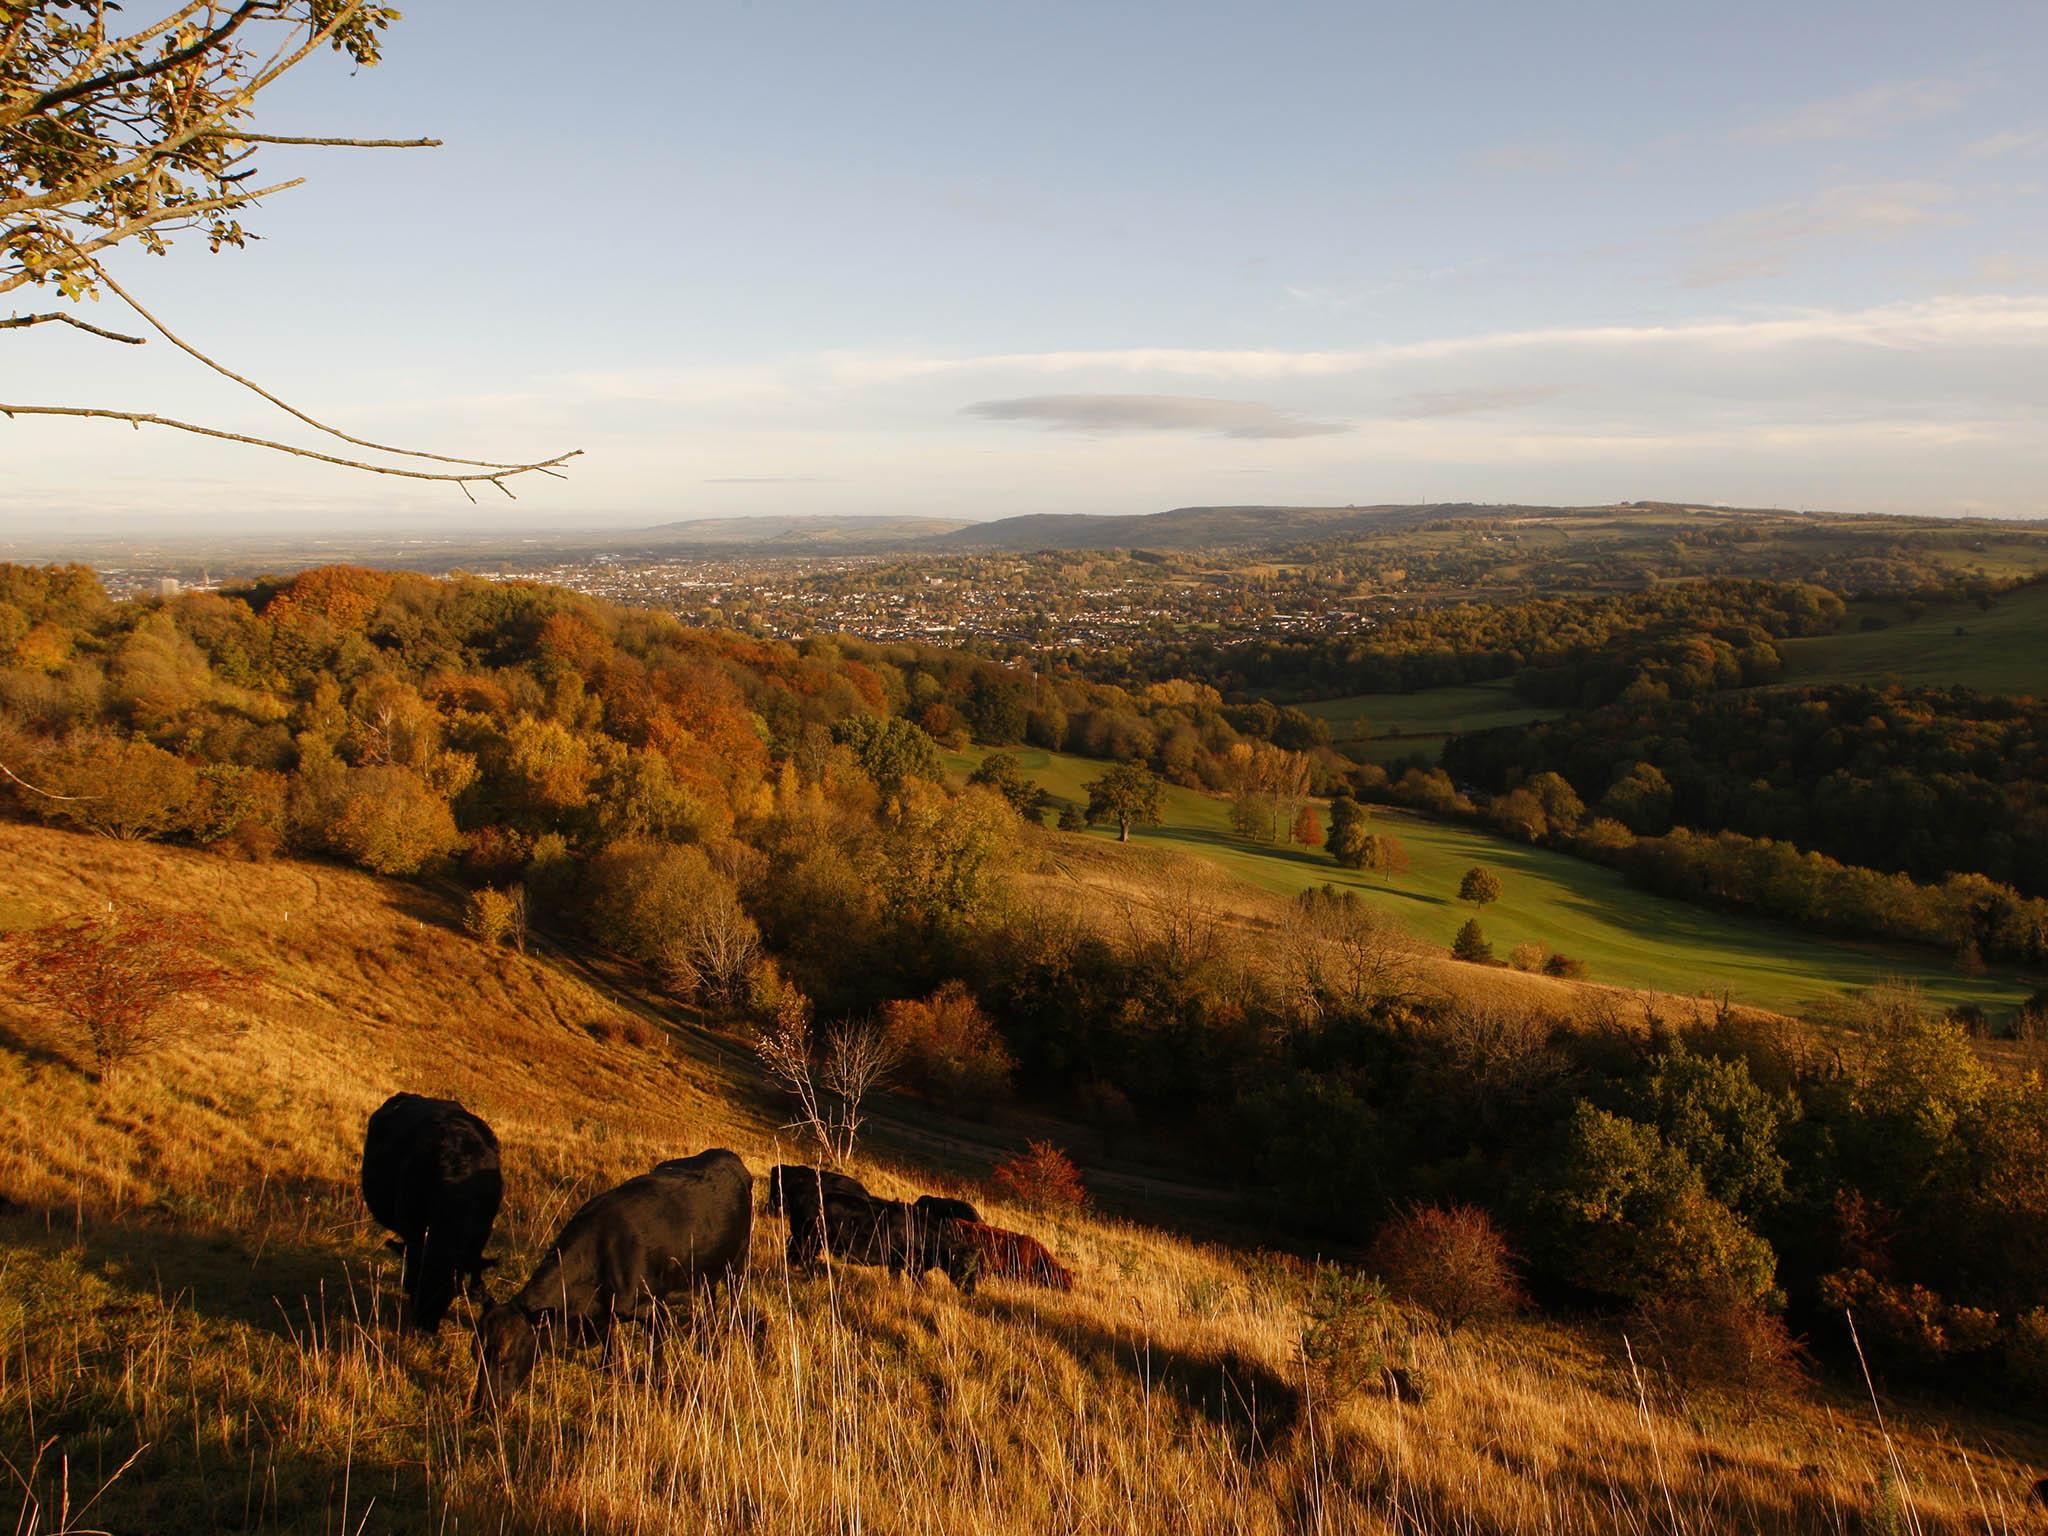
(1479, 886)
(1385, 855)
(1308, 828)
(1128, 794)
(126, 980)
(114, 135)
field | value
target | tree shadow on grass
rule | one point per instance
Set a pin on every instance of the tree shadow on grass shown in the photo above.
(265, 1284)
(255, 1467)
(1252, 1404)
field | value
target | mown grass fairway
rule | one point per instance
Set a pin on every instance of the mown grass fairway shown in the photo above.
(1627, 936)
(2002, 649)
(1378, 727)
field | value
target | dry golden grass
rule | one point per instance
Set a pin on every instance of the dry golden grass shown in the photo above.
(195, 1316)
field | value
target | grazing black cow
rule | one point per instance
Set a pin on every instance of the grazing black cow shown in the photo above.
(798, 1192)
(945, 1208)
(892, 1234)
(685, 1224)
(814, 1182)
(430, 1174)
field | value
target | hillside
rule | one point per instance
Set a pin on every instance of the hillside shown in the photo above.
(196, 1318)
(1628, 937)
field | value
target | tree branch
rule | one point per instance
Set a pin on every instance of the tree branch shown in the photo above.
(55, 317)
(45, 793)
(140, 419)
(257, 389)
(288, 138)
(37, 105)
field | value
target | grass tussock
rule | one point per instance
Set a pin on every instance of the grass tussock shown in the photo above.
(196, 1321)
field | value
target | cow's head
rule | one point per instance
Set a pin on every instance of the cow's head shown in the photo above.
(961, 1261)
(430, 1284)
(507, 1347)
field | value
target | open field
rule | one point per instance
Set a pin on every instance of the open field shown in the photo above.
(195, 1318)
(1628, 937)
(2000, 650)
(1378, 727)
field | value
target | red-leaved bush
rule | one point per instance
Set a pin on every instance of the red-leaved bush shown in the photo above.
(1043, 1178)
(1450, 1261)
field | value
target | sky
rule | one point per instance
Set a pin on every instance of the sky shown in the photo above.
(967, 260)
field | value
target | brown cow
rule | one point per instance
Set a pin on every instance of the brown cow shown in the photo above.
(1007, 1255)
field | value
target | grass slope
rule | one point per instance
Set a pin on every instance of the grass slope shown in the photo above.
(1628, 937)
(2002, 649)
(1378, 727)
(195, 1315)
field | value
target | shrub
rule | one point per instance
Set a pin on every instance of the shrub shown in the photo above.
(946, 1047)
(1633, 1218)
(493, 916)
(1565, 966)
(1043, 1178)
(1470, 944)
(2026, 1354)
(1528, 957)
(645, 896)
(125, 980)
(118, 787)
(1721, 1338)
(1449, 1261)
(389, 822)
(1343, 1340)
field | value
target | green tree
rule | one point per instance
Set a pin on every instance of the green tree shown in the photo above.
(1004, 773)
(1713, 1112)
(890, 749)
(1347, 836)
(1640, 800)
(1471, 944)
(1634, 1218)
(1071, 819)
(1128, 794)
(1480, 886)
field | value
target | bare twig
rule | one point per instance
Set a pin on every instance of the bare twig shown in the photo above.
(288, 138)
(54, 317)
(140, 419)
(45, 793)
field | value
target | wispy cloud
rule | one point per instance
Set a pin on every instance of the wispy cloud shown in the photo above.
(1528, 158)
(1874, 110)
(1974, 320)
(2027, 144)
(1469, 402)
(1759, 241)
(1153, 413)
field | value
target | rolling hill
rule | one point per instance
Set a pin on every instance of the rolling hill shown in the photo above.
(196, 1319)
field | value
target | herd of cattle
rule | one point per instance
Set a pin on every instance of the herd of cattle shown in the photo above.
(431, 1175)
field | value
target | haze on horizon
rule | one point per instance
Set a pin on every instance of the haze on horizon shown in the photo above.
(973, 262)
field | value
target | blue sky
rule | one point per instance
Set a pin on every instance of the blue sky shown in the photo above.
(974, 260)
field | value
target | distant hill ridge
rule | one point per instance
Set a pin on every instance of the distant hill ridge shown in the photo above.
(1176, 528)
